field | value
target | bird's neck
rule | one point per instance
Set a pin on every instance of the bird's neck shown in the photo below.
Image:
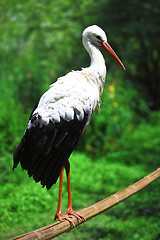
(97, 67)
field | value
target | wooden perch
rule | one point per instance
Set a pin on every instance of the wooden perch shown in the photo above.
(57, 228)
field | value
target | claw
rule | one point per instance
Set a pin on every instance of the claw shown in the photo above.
(66, 217)
(76, 214)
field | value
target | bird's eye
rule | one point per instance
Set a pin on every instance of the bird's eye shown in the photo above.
(98, 37)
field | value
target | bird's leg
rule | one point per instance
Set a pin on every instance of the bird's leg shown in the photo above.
(70, 209)
(59, 215)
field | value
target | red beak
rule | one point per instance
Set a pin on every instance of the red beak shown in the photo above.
(107, 48)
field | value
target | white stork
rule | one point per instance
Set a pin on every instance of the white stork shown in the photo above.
(61, 116)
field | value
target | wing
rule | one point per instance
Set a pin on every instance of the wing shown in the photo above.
(54, 129)
(43, 151)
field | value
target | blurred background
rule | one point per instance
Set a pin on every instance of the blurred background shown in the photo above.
(41, 41)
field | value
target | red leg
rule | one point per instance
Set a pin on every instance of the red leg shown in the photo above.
(70, 210)
(59, 215)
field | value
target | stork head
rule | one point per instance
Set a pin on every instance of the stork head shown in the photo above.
(95, 36)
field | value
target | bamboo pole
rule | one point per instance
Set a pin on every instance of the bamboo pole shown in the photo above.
(57, 228)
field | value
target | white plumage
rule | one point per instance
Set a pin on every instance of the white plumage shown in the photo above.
(78, 91)
(71, 93)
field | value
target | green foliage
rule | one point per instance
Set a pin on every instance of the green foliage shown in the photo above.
(98, 180)
(35, 37)
(122, 110)
(41, 41)
(133, 28)
(12, 122)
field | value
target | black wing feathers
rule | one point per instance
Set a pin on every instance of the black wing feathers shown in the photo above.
(43, 151)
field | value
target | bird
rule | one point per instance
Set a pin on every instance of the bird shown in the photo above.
(61, 117)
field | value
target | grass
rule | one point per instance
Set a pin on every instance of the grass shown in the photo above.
(25, 206)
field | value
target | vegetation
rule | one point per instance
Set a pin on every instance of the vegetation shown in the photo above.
(121, 144)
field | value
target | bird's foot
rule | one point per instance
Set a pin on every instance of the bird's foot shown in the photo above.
(70, 213)
(76, 214)
(64, 217)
